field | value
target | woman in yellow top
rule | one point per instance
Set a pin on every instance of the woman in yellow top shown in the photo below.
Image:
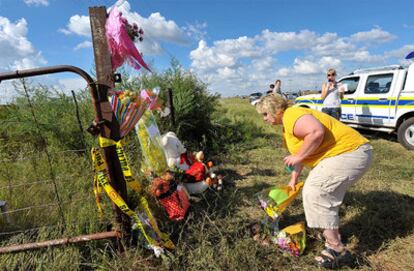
(338, 156)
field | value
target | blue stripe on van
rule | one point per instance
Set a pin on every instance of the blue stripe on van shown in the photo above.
(374, 117)
(361, 101)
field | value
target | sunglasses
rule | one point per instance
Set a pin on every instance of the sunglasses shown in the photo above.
(329, 75)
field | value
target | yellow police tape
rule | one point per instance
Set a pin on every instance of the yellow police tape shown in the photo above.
(101, 181)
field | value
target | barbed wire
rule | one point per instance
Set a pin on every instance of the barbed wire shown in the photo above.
(34, 229)
(61, 204)
(60, 179)
(40, 206)
(30, 156)
(36, 156)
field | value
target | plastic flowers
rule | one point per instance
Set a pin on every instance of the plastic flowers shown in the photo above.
(134, 32)
(285, 243)
(121, 36)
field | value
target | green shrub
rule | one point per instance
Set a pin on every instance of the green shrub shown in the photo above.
(199, 121)
(49, 119)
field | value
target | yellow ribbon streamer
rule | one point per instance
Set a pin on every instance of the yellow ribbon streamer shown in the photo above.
(101, 180)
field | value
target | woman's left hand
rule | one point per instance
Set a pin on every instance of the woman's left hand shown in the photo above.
(292, 160)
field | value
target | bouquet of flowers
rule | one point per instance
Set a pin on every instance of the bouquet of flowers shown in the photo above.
(128, 108)
(120, 36)
(292, 239)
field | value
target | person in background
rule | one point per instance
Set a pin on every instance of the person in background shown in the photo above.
(338, 157)
(270, 91)
(277, 87)
(332, 94)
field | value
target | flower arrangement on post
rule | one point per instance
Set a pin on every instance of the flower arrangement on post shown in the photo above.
(121, 35)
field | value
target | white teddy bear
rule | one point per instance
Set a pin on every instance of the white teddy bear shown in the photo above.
(173, 150)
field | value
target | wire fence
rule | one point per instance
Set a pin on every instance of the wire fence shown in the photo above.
(46, 172)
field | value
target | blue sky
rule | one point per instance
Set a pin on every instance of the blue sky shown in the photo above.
(236, 46)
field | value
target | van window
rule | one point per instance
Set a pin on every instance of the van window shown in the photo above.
(379, 83)
(352, 83)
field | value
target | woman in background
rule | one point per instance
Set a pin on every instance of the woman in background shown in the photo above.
(332, 94)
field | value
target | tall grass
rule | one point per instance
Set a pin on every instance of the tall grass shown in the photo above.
(46, 177)
(377, 215)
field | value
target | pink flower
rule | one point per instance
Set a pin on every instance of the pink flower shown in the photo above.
(120, 44)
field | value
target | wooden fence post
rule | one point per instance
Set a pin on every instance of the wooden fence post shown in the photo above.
(170, 104)
(105, 82)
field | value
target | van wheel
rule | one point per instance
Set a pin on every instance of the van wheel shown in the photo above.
(406, 134)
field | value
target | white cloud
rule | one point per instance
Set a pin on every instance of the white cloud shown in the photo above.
(283, 72)
(36, 2)
(309, 66)
(328, 62)
(248, 64)
(375, 35)
(408, 26)
(78, 25)
(401, 52)
(264, 64)
(364, 56)
(332, 45)
(305, 66)
(7, 92)
(196, 31)
(69, 84)
(82, 45)
(17, 52)
(223, 53)
(157, 29)
(285, 41)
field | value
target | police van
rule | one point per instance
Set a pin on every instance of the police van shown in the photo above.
(380, 99)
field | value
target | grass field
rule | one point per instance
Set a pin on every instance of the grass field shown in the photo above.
(377, 215)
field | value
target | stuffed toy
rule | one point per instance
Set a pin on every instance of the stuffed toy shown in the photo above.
(200, 176)
(175, 152)
(197, 171)
(173, 197)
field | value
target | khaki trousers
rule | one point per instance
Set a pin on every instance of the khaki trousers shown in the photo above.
(327, 183)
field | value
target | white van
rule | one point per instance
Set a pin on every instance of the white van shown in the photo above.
(380, 99)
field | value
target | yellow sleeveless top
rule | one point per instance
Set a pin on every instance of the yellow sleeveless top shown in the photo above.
(339, 138)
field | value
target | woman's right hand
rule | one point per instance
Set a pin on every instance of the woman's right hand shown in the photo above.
(292, 184)
(294, 176)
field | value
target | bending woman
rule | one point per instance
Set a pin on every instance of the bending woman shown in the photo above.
(338, 156)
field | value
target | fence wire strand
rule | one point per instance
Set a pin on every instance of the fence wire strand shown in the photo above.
(49, 159)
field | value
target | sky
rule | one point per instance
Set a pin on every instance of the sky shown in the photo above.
(235, 46)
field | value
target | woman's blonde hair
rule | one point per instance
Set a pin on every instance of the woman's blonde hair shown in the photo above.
(272, 104)
(331, 71)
